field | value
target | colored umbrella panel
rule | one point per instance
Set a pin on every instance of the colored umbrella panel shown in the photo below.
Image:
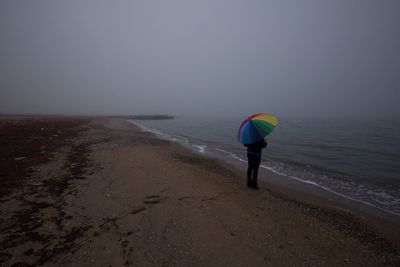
(256, 127)
(271, 119)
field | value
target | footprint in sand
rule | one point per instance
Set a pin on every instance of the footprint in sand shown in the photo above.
(137, 210)
(152, 199)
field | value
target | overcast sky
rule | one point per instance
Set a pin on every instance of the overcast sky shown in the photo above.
(291, 58)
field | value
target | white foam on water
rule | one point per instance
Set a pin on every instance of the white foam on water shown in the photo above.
(158, 133)
(179, 139)
(174, 138)
(200, 148)
(232, 155)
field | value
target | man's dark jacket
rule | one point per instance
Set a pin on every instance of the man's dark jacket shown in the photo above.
(255, 148)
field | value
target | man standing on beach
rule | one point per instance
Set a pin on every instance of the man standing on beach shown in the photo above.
(254, 152)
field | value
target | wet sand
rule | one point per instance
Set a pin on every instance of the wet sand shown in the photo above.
(98, 191)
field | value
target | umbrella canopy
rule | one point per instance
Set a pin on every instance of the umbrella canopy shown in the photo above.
(256, 127)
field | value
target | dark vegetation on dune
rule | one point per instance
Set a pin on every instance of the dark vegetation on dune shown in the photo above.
(24, 145)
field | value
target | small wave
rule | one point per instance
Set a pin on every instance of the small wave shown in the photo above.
(174, 138)
(232, 155)
(200, 148)
(178, 139)
(147, 129)
(160, 134)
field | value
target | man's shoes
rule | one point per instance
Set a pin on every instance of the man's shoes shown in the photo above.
(248, 182)
(254, 185)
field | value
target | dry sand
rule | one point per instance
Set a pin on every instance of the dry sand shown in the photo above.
(99, 192)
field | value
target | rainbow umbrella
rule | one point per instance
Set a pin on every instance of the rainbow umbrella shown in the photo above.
(256, 127)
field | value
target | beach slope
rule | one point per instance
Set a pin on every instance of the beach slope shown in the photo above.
(100, 191)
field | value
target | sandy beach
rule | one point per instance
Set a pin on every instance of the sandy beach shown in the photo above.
(82, 191)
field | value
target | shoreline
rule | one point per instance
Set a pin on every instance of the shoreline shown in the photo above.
(282, 181)
(383, 221)
(98, 199)
(266, 175)
(318, 195)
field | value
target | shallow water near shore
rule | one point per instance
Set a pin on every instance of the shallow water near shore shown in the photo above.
(355, 159)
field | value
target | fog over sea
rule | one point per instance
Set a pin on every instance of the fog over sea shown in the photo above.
(357, 159)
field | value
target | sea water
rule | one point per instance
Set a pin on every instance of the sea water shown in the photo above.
(357, 159)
